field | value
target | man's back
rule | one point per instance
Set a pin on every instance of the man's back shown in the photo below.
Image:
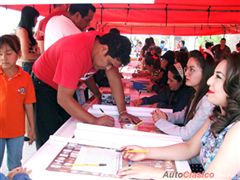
(43, 23)
(58, 27)
(219, 52)
(61, 60)
(59, 9)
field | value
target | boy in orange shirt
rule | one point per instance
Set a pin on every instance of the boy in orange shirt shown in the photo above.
(16, 98)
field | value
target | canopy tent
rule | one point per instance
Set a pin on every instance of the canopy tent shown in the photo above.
(165, 17)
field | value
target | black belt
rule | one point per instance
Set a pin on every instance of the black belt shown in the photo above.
(25, 62)
(39, 81)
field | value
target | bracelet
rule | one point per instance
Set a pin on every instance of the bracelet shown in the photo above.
(122, 112)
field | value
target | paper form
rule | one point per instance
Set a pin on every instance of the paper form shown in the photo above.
(87, 159)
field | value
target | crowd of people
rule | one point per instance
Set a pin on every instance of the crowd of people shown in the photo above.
(201, 86)
(216, 141)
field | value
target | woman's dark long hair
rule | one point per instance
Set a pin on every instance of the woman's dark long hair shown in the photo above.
(232, 89)
(207, 65)
(28, 16)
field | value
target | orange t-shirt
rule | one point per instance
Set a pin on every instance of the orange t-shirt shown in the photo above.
(14, 93)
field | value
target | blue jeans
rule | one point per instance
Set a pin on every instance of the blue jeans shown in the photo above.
(14, 151)
(18, 176)
(2, 177)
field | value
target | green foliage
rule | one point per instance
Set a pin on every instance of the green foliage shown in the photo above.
(201, 40)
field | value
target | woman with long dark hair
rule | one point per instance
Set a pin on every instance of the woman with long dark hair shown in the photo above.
(191, 118)
(30, 50)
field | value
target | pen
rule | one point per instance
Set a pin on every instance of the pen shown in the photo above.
(119, 150)
(90, 164)
(133, 150)
(137, 151)
(139, 93)
(101, 110)
(139, 123)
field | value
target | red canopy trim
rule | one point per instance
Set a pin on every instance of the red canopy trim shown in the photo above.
(169, 17)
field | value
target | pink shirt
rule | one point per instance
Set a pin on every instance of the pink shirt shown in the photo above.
(67, 61)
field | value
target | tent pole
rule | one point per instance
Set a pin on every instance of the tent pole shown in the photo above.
(166, 9)
(101, 15)
(209, 9)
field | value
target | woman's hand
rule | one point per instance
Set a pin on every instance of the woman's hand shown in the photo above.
(141, 172)
(158, 114)
(134, 153)
(17, 170)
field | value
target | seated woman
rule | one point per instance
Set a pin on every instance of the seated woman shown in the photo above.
(217, 141)
(166, 60)
(193, 116)
(181, 57)
(175, 96)
(152, 65)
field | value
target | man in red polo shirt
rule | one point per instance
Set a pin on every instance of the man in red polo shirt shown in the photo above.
(72, 59)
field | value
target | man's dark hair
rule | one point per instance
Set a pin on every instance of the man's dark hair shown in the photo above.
(183, 42)
(83, 9)
(114, 30)
(208, 44)
(118, 46)
(223, 39)
(238, 44)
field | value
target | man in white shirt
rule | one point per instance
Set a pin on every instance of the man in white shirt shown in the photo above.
(59, 9)
(77, 19)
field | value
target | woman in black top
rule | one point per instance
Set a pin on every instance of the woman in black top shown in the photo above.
(174, 96)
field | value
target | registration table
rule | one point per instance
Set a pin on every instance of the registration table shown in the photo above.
(74, 132)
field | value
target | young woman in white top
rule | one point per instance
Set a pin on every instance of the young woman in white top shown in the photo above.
(187, 122)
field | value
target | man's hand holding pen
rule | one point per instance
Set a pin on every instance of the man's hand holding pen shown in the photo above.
(105, 120)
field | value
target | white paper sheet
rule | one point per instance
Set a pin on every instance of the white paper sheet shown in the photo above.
(117, 138)
(88, 156)
(112, 110)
